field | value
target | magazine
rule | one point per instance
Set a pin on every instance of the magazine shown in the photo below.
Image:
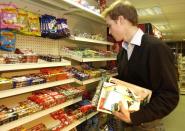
(131, 96)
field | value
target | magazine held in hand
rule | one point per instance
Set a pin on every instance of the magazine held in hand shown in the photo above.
(109, 94)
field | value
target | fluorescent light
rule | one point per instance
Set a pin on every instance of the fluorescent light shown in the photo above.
(157, 10)
(141, 12)
(149, 11)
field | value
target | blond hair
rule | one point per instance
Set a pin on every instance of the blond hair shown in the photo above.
(121, 8)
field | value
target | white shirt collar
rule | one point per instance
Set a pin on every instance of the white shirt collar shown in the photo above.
(136, 39)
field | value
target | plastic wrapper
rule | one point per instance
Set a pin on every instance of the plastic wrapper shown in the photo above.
(34, 24)
(7, 40)
(22, 21)
(8, 15)
(5, 84)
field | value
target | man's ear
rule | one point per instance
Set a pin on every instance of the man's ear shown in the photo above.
(121, 19)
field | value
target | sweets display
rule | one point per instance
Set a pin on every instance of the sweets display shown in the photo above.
(72, 113)
(45, 75)
(53, 27)
(29, 23)
(87, 53)
(28, 56)
(20, 56)
(99, 37)
(39, 100)
(85, 71)
(51, 58)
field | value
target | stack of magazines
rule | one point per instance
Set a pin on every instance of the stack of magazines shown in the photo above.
(110, 93)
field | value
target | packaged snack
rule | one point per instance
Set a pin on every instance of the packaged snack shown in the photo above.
(44, 26)
(21, 82)
(52, 26)
(49, 26)
(28, 56)
(7, 40)
(5, 84)
(8, 15)
(34, 24)
(12, 58)
(19, 128)
(39, 127)
(63, 29)
(22, 21)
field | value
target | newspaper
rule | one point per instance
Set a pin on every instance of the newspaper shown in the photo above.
(131, 96)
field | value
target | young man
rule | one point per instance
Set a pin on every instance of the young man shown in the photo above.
(144, 61)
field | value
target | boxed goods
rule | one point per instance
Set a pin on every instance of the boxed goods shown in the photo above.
(7, 115)
(5, 84)
(39, 127)
(21, 81)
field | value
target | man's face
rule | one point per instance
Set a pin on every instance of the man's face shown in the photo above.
(115, 28)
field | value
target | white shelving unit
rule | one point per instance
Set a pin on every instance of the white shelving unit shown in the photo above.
(40, 64)
(37, 115)
(80, 59)
(21, 90)
(78, 122)
(85, 82)
(63, 7)
(90, 40)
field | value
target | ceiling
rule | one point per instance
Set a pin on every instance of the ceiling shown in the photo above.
(172, 17)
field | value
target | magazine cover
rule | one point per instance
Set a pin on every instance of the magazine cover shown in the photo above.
(132, 96)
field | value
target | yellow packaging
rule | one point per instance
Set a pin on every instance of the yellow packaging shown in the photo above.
(22, 21)
(5, 84)
(34, 24)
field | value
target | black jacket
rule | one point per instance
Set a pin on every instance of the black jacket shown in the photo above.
(151, 66)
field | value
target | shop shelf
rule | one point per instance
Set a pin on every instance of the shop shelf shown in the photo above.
(80, 59)
(78, 122)
(92, 80)
(40, 64)
(37, 115)
(21, 90)
(90, 40)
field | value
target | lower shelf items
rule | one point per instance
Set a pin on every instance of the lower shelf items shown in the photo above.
(37, 115)
(21, 90)
(78, 122)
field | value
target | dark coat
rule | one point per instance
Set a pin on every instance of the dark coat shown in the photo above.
(151, 66)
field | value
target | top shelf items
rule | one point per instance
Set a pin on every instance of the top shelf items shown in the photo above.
(82, 8)
(70, 6)
(90, 40)
(41, 64)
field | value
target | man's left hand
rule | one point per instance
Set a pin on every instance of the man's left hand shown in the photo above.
(123, 114)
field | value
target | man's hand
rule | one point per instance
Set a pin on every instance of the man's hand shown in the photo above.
(123, 114)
